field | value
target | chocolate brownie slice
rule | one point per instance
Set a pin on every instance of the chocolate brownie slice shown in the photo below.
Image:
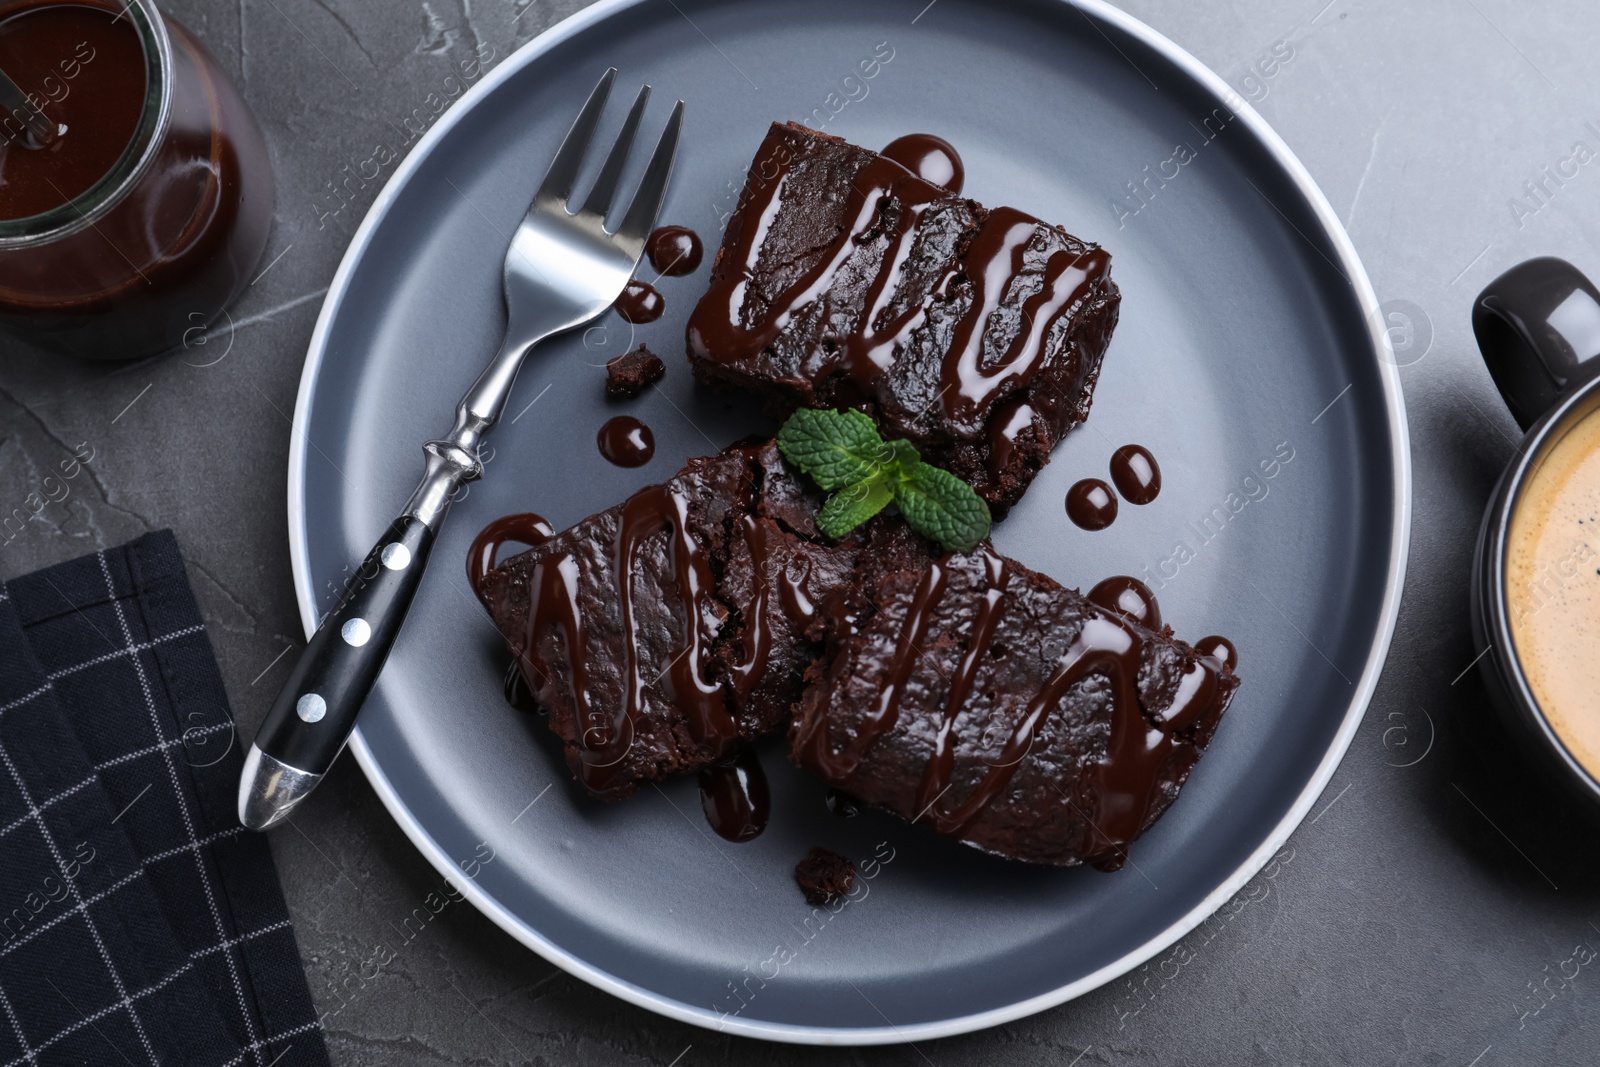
(845, 280)
(982, 698)
(663, 633)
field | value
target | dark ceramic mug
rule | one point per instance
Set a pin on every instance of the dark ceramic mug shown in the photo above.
(1538, 327)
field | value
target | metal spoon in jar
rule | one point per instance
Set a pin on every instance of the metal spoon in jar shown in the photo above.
(17, 105)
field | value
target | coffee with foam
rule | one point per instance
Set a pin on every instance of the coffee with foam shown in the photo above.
(1553, 588)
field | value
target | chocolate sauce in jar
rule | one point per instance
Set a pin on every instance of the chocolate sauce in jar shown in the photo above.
(1135, 474)
(1219, 649)
(674, 250)
(1091, 504)
(524, 529)
(626, 441)
(87, 68)
(1128, 597)
(735, 798)
(933, 159)
(640, 303)
(185, 209)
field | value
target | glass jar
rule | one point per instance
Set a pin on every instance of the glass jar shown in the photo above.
(119, 266)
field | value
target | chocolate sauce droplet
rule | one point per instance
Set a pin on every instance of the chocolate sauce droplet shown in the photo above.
(524, 529)
(735, 798)
(933, 159)
(674, 250)
(640, 303)
(1091, 504)
(1128, 597)
(1135, 473)
(626, 441)
(517, 693)
(1219, 649)
(842, 804)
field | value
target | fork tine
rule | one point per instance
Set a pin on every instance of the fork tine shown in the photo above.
(605, 186)
(641, 217)
(563, 172)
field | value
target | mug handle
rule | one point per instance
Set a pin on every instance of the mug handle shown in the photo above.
(1538, 327)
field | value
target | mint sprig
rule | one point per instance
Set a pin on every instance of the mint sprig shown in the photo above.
(836, 448)
(843, 452)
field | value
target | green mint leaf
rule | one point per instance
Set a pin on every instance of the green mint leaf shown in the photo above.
(941, 507)
(854, 505)
(902, 454)
(836, 448)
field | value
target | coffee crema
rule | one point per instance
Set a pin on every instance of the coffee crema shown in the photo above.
(1553, 588)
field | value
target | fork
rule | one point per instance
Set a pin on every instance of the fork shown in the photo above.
(562, 269)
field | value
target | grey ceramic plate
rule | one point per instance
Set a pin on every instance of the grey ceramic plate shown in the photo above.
(1283, 521)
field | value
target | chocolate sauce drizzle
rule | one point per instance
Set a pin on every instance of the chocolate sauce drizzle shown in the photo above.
(1115, 793)
(1130, 597)
(524, 529)
(735, 798)
(886, 201)
(933, 159)
(516, 690)
(1219, 649)
(1013, 417)
(746, 673)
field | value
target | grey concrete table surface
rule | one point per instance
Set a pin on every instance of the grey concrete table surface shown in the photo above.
(1438, 907)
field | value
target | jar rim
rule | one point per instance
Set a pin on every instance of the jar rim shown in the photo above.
(89, 206)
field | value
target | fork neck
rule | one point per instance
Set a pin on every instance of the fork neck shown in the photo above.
(452, 460)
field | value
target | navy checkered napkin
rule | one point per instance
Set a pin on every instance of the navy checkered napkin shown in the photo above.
(138, 923)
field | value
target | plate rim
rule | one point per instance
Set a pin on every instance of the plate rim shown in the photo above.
(1400, 534)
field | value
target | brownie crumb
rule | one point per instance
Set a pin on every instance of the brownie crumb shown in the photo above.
(627, 375)
(824, 876)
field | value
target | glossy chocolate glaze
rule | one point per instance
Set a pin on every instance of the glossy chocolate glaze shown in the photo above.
(605, 738)
(626, 441)
(640, 303)
(973, 376)
(1130, 597)
(1135, 474)
(746, 673)
(524, 529)
(1219, 649)
(1091, 504)
(674, 250)
(1012, 419)
(933, 159)
(735, 798)
(515, 689)
(99, 105)
(1116, 791)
